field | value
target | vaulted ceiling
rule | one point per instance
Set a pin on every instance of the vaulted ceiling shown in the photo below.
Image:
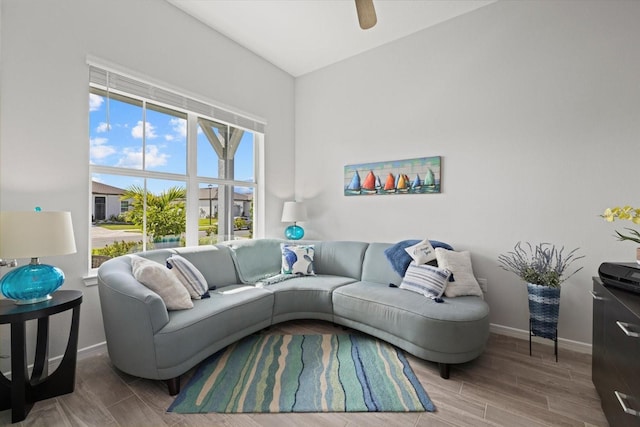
(301, 36)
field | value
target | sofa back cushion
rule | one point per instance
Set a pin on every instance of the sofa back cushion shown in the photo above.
(376, 266)
(340, 258)
(214, 262)
(255, 259)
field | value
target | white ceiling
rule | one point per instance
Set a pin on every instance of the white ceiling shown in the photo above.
(300, 36)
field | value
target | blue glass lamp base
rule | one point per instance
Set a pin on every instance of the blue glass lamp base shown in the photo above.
(31, 283)
(294, 232)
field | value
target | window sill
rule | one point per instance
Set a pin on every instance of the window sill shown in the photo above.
(91, 279)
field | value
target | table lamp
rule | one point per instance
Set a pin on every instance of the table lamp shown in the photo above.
(294, 212)
(33, 235)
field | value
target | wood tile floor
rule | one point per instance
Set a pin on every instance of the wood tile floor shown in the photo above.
(503, 387)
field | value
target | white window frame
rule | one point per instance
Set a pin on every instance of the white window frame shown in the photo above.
(115, 81)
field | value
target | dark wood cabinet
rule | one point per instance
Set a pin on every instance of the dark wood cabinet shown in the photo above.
(616, 353)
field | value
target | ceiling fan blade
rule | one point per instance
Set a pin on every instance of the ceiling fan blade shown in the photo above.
(366, 14)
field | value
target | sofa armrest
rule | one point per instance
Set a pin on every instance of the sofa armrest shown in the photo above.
(132, 314)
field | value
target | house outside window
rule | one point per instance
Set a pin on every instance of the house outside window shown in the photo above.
(163, 175)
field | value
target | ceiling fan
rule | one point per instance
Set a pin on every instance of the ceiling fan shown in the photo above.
(366, 14)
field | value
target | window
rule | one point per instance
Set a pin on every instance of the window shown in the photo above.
(164, 174)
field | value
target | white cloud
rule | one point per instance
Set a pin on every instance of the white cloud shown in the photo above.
(98, 149)
(95, 102)
(179, 127)
(103, 127)
(136, 132)
(133, 158)
(154, 157)
(169, 137)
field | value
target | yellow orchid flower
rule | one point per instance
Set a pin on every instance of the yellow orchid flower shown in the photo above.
(625, 213)
(608, 215)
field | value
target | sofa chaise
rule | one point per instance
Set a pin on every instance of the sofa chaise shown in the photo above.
(352, 286)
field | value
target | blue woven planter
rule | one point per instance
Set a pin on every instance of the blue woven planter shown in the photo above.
(544, 305)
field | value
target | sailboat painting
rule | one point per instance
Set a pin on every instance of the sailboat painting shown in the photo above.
(411, 176)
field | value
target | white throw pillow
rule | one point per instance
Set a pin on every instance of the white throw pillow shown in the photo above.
(160, 280)
(463, 281)
(427, 280)
(298, 259)
(189, 276)
(421, 252)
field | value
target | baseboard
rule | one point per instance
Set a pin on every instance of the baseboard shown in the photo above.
(578, 346)
(92, 350)
(83, 353)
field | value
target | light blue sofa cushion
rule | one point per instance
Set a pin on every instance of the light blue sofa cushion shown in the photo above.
(255, 259)
(307, 297)
(339, 258)
(377, 268)
(192, 333)
(439, 327)
(214, 262)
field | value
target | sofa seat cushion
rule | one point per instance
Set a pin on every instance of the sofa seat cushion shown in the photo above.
(228, 310)
(458, 325)
(306, 297)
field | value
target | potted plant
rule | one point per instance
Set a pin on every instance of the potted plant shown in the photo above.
(544, 268)
(626, 213)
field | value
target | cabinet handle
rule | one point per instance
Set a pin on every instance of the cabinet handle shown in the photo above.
(595, 296)
(621, 398)
(626, 331)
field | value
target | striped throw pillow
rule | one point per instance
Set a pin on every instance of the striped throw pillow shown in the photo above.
(189, 276)
(425, 279)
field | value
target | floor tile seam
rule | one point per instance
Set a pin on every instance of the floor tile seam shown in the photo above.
(443, 417)
(525, 416)
(582, 419)
(63, 405)
(509, 384)
(582, 415)
(562, 395)
(510, 397)
(535, 367)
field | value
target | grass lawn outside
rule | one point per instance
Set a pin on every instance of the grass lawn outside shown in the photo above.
(121, 227)
(203, 224)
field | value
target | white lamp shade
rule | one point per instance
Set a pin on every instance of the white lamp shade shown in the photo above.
(294, 212)
(36, 234)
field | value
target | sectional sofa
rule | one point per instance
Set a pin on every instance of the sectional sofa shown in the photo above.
(353, 285)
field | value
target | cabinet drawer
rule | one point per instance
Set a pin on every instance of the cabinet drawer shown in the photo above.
(623, 343)
(621, 409)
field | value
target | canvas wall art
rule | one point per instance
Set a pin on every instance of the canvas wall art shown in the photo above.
(411, 176)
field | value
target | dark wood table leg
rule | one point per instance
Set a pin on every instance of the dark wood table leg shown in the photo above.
(63, 379)
(41, 361)
(20, 403)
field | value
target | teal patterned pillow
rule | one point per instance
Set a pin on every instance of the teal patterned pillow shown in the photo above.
(297, 259)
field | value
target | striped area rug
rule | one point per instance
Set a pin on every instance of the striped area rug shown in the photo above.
(304, 373)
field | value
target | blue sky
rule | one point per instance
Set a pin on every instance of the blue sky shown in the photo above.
(116, 140)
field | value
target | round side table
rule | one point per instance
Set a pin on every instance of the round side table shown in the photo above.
(22, 391)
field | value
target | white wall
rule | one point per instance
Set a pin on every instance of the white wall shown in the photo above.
(43, 108)
(535, 108)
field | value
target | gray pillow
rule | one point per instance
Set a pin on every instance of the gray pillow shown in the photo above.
(160, 280)
(189, 276)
